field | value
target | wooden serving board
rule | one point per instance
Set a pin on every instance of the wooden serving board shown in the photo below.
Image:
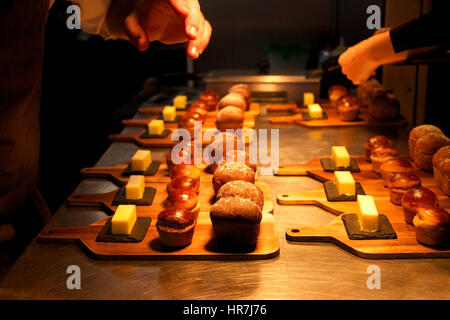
(254, 110)
(206, 197)
(210, 123)
(204, 246)
(405, 246)
(277, 107)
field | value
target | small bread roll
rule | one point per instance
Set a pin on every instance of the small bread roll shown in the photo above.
(188, 170)
(231, 171)
(441, 169)
(243, 90)
(199, 104)
(426, 147)
(236, 222)
(183, 183)
(380, 155)
(233, 99)
(175, 227)
(432, 225)
(230, 118)
(419, 132)
(384, 106)
(242, 189)
(415, 198)
(348, 108)
(375, 142)
(236, 156)
(211, 98)
(184, 199)
(393, 166)
(365, 91)
(335, 92)
(400, 183)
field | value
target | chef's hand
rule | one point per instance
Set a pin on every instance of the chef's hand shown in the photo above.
(167, 21)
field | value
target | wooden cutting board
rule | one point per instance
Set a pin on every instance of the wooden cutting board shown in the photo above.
(203, 247)
(405, 246)
(254, 110)
(206, 198)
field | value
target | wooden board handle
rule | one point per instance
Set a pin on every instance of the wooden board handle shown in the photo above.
(311, 234)
(124, 137)
(291, 170)
(91, 200)
(137, 122)
(99, 172)
(63, 235)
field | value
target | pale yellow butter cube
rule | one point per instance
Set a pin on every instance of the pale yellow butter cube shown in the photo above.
(156, 127)
(340, 156)
(141, 160)
(345, 183)
(315, 111)
(180, 102)
(124, 219)
(367, 213)
(169, 113)
(308, 98)
(134, 190)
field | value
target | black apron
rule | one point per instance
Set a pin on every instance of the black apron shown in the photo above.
(22, 27)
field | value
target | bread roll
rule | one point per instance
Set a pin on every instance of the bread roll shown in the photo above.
(426, 147)
(441, 169)
(365, 91)
(380, 155)
(230, 118)
(184, 199)
(183, 183)
(211, 98)
(236, 156)
(399, 184)
(185, 155)
(348, 108)
(231, 171)
(335, 92)
(243, 90)
(188, 170)
(242, 189)
(175, 227)
(236, 222)
(233, 99)
(199, 104)
(432, 226)
(419, 132)
(415, 198)
(384, 106)
(375, 142)
(393, 166)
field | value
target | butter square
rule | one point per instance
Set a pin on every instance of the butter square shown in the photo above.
(308, 98)
(340, 156)
(124, 219)
(156, 127)
(134, 190)
(141, 160)
(345, 183)
(367, 213)
(169, 113)
(180, 102)
(315, 111)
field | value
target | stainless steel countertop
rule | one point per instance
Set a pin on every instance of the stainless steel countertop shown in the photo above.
(301, 271)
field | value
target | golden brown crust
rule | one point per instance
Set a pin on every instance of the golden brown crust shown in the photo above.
(419, 132)
(365, 91)
(397, 165)
(183, 183)
(236, 209)
(183, 198)
(242, 189)
(232, 99)
(335, 92)
(176, 218)
(399, 183)
(348, 108)
(441, 169)
(230, 117)
(380, 155)
(426, 147)
(376, 142)
(239, 156)
(415, 198)
(432, 225)
(231, 171)
(188, 170)
(384, 106)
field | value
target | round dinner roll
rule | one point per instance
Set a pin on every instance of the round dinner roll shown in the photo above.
(186, 155)
(237, 156)
(175, 227)
(211, 98)
(419, 132)
(426, 147)
(243, 90)
(199, 104)
(230, 118)
(185, 199)
(365, 91)
(233, 99)
(432, 225)
(400, 183)
(242, 189)
(335, 92)
(236, 222)
(375, 142)
(348, 108)
(441, 169)
(380, 155)
(393, 166)
(183, 183)
(188, 170)
(384, 106)
(415, 198)
(231, 171)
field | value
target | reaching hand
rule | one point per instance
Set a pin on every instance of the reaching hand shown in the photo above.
(167, 21)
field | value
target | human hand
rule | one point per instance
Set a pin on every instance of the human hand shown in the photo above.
(167, 21)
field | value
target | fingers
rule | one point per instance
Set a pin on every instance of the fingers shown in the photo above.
(194, 23)
(181, 7)
(135, 33)
(196, 47)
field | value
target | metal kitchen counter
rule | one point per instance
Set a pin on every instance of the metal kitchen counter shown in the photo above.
(301, 271)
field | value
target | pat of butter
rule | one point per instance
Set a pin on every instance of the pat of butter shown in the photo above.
(315, 111)
(340, 156)
(367, 213)
(134, 190)
(156, 127)
(308, 98)
(180, 102)
(124, 219)
(141, 160)
(345, 182)
(169, 113)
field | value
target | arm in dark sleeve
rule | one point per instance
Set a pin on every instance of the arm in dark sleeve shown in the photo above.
(428, 30)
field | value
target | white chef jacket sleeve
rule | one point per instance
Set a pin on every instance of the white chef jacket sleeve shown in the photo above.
(93, 17)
